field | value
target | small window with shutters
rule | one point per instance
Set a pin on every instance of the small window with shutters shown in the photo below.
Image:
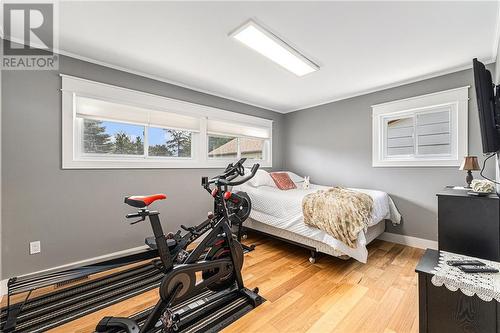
(429, 130)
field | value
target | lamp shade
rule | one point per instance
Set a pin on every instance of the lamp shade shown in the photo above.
(470, 163)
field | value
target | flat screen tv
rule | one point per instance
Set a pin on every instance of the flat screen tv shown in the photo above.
(488, 106)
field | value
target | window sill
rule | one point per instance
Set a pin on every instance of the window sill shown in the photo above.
(416, 163)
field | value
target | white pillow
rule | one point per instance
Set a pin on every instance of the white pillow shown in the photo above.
(261, 178)
(294, 177)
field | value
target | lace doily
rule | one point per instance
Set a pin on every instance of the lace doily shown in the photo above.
(485, 285)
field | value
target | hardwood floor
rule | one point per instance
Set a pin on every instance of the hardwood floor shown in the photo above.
(332, 295)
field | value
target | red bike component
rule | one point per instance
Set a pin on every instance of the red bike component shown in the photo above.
(141, 201)
(229, 196)
(219, 242)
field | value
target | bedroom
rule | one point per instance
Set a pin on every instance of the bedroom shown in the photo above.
(361, 127)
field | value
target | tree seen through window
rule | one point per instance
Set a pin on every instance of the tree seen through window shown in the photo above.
(106, 137)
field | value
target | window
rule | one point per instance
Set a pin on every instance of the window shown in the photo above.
(252, 148)
(424, 134)
(429, 130)
(235, 148)
(113, 131)
(169, 142)
(111, 127)
(234, 140)
(107, 137)
(222, 147)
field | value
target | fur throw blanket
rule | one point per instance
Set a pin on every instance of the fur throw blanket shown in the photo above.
(340, 212)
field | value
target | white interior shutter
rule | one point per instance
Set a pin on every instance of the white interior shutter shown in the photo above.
(434, 132)
(400, 137)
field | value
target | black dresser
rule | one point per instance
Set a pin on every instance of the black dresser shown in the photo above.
(445, 311)
(469, 225)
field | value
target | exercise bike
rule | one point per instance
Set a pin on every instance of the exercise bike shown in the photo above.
(213, 267)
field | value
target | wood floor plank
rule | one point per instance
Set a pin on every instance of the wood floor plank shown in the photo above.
(406, 312)
(312, 289)
(260, 319)
(339, 308)
(356, 316)
(378, 320)
(290, 283)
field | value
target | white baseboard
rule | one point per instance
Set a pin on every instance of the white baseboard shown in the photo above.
(3, 283)
(409, 241)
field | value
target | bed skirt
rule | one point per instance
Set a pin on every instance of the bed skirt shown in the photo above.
(372, 233)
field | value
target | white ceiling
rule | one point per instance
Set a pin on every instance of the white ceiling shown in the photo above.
(360, 46)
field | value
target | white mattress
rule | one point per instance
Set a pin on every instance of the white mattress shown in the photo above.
(283, 209)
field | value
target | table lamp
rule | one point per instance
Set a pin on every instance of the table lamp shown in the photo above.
(470, 164)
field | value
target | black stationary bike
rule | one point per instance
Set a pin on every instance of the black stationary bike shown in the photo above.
(212, 268)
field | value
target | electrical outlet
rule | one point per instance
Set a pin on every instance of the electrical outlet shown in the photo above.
(35, 247)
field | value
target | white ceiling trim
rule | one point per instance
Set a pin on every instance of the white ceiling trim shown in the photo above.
(393, 85)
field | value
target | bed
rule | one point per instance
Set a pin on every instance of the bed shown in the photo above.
(279, 213)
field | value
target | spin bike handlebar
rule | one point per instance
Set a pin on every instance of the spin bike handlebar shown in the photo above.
(243, 180)
(233, 171)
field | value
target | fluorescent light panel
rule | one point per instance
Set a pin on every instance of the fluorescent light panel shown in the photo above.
(272, 47)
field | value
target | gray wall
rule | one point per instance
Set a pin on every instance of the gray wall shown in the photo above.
(79, 214)
(332, 143)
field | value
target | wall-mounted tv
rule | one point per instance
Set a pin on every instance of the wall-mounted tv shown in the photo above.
(488, 106)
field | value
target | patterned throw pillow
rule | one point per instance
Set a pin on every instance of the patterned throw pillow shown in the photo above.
(282, 180)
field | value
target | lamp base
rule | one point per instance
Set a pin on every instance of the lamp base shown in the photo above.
(469, 178)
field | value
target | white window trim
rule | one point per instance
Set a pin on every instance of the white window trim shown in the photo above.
(74, 86)
(457, 99)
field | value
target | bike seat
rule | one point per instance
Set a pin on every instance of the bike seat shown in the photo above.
(140, 201)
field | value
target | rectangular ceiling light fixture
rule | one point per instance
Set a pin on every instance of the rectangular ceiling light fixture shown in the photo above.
(274, 48)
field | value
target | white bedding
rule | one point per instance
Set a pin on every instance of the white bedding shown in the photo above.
(283, 209)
